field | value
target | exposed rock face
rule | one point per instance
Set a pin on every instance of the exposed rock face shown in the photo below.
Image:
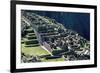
(49, 31)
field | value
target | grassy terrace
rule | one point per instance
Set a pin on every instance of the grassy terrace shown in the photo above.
(38, 51)
(30, 47)
(30, 44)
(53, 60)
(33, 50)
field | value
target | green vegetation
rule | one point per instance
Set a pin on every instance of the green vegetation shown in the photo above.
(64, 44)
(33, 50)
(31, 34)
(34, 41)
(30, 44)
(30, 47)
(52, 60)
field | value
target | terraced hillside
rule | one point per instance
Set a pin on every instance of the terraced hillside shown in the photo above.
(46, 40)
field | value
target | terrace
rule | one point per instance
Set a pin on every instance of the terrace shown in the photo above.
(57, 40)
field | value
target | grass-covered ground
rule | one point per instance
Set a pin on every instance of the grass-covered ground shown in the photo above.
(33, 50)
(38, 51)
(30, 47)
(53, 60)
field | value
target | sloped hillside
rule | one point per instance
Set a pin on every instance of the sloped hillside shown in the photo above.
(62, 44)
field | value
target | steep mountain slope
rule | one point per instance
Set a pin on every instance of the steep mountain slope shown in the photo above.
(55, 37)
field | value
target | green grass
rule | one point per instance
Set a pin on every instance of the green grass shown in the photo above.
(53, 60)
(33, 50)
(31, 33)
(38, 51)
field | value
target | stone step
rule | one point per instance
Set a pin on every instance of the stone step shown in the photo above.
(29, 30)
(32, 38)
(33, 41)
(31, 34)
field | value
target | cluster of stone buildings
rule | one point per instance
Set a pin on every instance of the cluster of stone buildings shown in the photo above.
(58, 39)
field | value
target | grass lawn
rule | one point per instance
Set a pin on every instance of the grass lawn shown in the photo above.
(33, 50)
